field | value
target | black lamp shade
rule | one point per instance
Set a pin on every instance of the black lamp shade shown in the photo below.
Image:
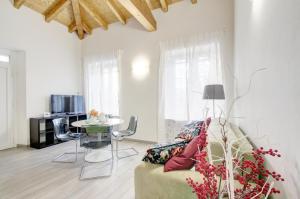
(214, 91)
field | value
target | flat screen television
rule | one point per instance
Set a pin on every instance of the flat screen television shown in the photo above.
(67, 104)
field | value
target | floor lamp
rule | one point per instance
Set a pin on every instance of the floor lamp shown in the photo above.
(214, 92)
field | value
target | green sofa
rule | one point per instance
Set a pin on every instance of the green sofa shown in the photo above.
(151, 182)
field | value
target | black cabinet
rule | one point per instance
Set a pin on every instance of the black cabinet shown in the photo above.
(42, 131)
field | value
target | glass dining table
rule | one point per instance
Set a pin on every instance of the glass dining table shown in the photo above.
(101, 154)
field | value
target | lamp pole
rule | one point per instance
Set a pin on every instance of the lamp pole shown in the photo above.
(214, 108)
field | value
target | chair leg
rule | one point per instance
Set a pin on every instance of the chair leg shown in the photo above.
(117, 148)
(56, 159)
(112, 149)
(85, 165)
(112, 157)
(125, 149)
(76, 150)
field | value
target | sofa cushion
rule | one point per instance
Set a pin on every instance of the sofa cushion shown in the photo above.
(233, 134)
(190, 130)
(151, 182)
(185, 160)
(160, 154)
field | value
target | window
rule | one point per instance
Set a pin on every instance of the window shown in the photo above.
(176, 82)
(102, 85)
(4, 58)
(186, 67)
(186, 71)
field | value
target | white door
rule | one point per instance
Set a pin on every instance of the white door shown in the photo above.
(5, 109)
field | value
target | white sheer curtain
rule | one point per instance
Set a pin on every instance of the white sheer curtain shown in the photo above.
(186, 66)
(101, 77)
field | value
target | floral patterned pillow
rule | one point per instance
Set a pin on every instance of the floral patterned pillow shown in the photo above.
(162, 153)
(190, 130)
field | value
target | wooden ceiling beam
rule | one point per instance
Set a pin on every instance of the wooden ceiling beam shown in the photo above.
(91, 11)
(164, 5)
(111, 4)
(140, 10)
(149, 4)
(86, 28)
(77, 16)
(72, 27)
(18, 3)
(54, 10)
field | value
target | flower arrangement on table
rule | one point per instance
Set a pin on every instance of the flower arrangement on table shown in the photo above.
(93, 113)
(97, 116)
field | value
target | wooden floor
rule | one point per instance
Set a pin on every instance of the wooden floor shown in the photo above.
(29, 173)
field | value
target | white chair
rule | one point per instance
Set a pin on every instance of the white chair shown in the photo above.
(99, 137)
(120, 135)
(63, 134)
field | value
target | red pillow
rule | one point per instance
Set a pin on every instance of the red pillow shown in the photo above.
(185, 160)
(205, 126)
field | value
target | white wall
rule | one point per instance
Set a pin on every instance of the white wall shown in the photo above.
(182, 20)
(53, 58)
(268, 35)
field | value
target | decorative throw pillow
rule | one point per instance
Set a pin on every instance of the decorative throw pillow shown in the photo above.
(190, 130)
(185, 161)
(162, 153)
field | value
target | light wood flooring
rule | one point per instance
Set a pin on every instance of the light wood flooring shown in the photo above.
(30, 173)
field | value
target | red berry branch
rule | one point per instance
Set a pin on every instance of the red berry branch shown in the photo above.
(249, 171)
(256, 180)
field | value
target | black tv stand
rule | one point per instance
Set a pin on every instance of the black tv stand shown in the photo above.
(42, 131)
(70, 113)
(58, 114)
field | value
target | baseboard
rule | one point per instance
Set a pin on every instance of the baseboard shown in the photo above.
(138, 140)
(22, 146)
